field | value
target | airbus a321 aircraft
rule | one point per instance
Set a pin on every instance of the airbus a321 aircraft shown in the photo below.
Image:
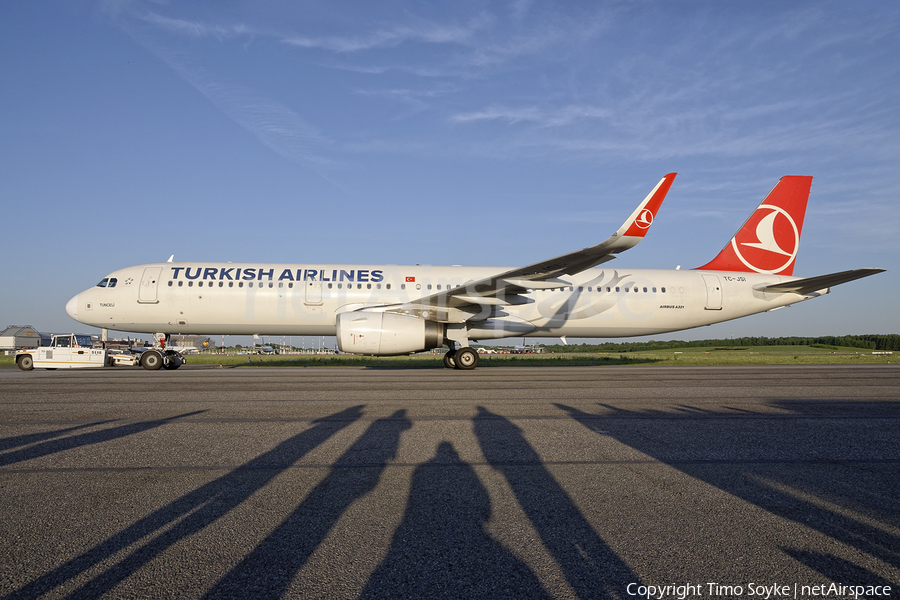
(391, 309)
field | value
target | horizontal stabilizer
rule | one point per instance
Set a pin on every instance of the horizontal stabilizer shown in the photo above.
(813, 284)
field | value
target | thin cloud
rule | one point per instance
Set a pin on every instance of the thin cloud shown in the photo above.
(391, 37)
(275, 125)
(194, 28)
(563, 116)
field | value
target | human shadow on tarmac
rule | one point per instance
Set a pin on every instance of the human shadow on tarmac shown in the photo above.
(269, 569)
(32, 438)
(187, 515)
(441, 548)
(838, 479)
(590, 566)
(85, 439)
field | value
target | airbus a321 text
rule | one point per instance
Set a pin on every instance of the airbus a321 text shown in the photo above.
(390, 309)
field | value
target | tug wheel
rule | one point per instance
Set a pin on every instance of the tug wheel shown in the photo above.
(151, 360)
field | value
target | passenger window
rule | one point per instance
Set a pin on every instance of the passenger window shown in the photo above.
(281, 285)
(378, 286)
(190, 284)
(368, 286)
(663, 290)
(387, 286)
(359, 286)
(329, 286)
(402, 286)
(221, 284)
(291, 284)
(418, 286)
(428, 287)
(230, 284)
(580, 289)
(617, 289)
(654, 290)
(645, 290)
(240, 284)
(199, 284)
(271, 285)
(180, 283)
(170, 284)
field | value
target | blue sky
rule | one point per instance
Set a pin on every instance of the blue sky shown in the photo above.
(469, 132)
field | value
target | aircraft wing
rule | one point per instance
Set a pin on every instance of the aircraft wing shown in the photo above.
(460, 304)
(814, 284)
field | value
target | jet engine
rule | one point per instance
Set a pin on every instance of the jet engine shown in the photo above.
(383, 333)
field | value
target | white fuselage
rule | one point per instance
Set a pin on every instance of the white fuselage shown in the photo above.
(289, 299)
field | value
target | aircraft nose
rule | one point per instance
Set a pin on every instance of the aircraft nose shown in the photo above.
(72, 307)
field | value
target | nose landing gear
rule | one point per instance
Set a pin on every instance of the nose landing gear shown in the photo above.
(161, 357)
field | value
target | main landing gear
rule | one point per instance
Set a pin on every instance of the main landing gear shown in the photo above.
(464, 359)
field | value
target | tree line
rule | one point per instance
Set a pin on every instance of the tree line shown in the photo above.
(877, 342)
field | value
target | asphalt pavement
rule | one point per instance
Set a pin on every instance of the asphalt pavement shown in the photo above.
(508, 482)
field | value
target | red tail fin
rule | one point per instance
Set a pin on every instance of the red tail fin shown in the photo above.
(769, 240)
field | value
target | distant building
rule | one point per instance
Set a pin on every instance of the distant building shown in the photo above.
(16, 337)
(193, 343)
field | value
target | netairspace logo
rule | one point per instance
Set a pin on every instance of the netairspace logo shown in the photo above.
(756, 590)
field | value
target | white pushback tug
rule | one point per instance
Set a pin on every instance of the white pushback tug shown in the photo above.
(73, 351)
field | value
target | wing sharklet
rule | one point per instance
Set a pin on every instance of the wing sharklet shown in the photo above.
(510, 283)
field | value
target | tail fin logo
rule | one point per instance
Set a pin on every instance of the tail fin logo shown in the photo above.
(645, 219)
(776, 242)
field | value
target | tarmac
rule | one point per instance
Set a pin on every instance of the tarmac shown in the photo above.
(507, 482)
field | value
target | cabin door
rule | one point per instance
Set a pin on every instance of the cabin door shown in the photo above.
(713, 292)
(149, 282)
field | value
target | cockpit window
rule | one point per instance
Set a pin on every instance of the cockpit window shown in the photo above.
(108, 282)
(104, 282)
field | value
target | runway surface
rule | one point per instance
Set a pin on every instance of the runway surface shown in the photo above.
(582, 482)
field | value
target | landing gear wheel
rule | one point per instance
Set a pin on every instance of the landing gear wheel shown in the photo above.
(449, 361)
(173, 360)
(25, 362)
(466, 359)
(151, 360)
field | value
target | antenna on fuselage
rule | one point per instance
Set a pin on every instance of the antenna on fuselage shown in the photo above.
(171, 258)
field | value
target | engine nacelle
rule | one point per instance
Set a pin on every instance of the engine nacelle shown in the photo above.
(370, 332)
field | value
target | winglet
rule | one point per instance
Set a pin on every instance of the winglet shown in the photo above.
(769, 240)
(641, 219)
